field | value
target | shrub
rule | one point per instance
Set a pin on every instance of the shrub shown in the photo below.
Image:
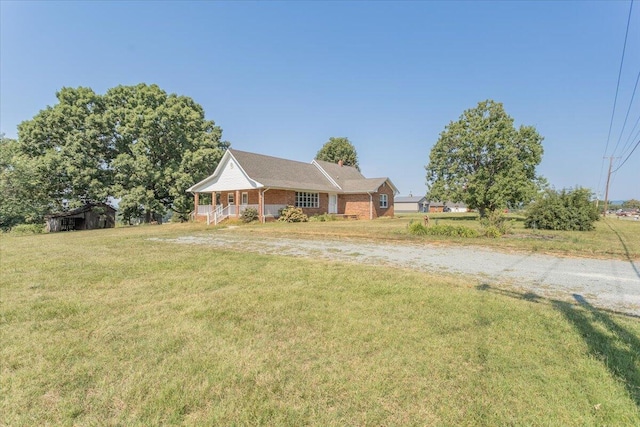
(249, 215)
(570, 210)
(418, 229)
(492, 231)
(323, 218)
(495, 224)
(22, 229)
(292, 214)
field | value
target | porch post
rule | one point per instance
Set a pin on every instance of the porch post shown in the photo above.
(237, 200)
(196, 201)
(260, 203)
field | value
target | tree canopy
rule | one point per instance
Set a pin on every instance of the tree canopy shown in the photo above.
(21, 196)
(136, 143)
(484, 161)
(339, 148)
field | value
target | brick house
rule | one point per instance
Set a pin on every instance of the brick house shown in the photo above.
(268, 184)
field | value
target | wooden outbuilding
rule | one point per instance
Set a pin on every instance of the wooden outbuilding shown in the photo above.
(88, 217)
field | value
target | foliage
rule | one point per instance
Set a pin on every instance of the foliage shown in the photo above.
(337, 149)
(417, 229)
(325, 217)
(135, 143)
(563, 210)
(292, 214)
(21, 196)
(483, 161)
(495, 224)
(164, 144)
(69, 149)
(22, 229)
(249, 215)
(631, 204)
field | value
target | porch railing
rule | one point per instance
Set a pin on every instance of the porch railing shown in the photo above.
(220, 213)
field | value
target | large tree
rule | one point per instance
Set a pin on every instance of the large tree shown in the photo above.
(337, 149)
(135, 143)
(484, 161)
(164, 144)
(68, 148)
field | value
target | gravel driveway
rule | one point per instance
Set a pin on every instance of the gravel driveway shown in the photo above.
(611, 284)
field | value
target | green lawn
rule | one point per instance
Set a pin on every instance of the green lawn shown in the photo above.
(109, 328)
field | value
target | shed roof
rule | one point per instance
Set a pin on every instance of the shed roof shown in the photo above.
(82, 209)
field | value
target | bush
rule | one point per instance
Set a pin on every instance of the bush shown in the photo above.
(249, 215)
(292, 214)
(495, 224)
(23, 229)
(569, 210)
(418, 229)
(323, 218)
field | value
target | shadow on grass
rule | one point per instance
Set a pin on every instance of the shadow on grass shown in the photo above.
(617, 348)
(626, 249)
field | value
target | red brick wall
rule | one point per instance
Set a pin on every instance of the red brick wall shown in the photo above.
(349, 204)
(354, 204)
(378, 211)
(359, 204)
(288, 197)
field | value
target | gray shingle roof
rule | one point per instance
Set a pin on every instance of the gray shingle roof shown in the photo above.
(282, 173)
(275, 172)
(409, 199)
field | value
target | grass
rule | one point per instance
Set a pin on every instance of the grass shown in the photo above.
(110, 328)
(612, 238)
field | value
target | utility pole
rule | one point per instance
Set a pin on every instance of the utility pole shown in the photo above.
(606, 191)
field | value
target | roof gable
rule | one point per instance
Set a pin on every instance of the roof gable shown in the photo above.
(228, 176)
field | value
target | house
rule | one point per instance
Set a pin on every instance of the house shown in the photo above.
(455, 207)
(88, 217)
(410, 204)
(446, 207)
(248, 180)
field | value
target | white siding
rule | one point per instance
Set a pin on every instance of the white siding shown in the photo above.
(228, 177)
(406, 207)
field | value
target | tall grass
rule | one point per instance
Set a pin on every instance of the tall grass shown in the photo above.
(110, 328)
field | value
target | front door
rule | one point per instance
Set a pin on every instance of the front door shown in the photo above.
(333, 203)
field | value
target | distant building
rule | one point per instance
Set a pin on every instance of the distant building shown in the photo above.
(88, 217)
(410, 204)
(447, 207)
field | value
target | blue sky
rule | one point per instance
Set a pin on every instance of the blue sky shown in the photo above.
(280, 78)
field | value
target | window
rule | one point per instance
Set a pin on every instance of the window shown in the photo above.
(231, 199)
(245, 198)
(384, 203)
(307, 200)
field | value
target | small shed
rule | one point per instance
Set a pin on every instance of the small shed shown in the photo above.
(88, 217)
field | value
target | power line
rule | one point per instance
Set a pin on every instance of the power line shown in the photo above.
(627, 158)
(630, 138)
(627, 115)
(615, 101)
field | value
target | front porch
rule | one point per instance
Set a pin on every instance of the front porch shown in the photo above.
(214, 214)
